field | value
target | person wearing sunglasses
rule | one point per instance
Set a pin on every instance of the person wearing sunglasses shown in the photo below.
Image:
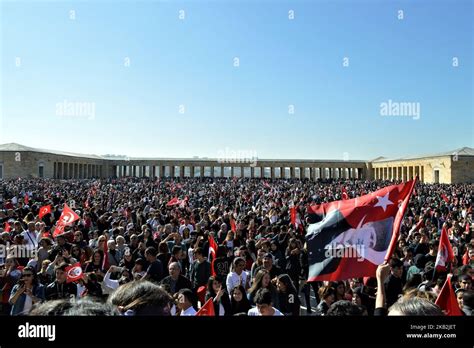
(27, 292)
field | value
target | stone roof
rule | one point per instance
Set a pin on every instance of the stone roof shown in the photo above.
(463, 151)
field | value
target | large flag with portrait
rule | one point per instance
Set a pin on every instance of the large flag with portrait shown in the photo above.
(350, 238)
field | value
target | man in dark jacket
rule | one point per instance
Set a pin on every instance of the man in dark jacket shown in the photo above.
(59, 289)
(175, 281)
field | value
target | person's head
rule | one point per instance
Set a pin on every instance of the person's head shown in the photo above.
(185, 299)
(268, 261)
(433, 247)
(177, 252)
(285, 285)
(60, 272)
(239, 265)
(96, 257)
(415, 306)
(344, 309)
(214, 284)
(174, 270)
(31, 226)
(459, 297)
(78, 236)
(260, 254)
(465, 282)
(11, 262)
(327, 294)
(120, 240)
(396, 267)
(141, 298)
(237, 293)
(76, 252)
(28, 275)
(45, 264)
(340, 287)
(163, 248)
(262, 279)
(199, 253)
(263, 301)
(150, 254)
(468, 299)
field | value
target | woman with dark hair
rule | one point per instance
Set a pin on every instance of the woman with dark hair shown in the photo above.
(239, 302)
(327, 294)
(127, 261)
(218, 292)
(263, 280)
(340, 288)
(288, 301)
(95, 263)
(78, 254)
(26, 292)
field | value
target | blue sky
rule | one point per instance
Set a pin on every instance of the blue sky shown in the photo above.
(283, 62)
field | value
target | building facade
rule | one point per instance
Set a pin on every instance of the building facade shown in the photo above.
(25, 162)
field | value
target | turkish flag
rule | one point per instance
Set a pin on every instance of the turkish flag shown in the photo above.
(26, 199)
(447, 299)
(344, 193)
(350, 238)
(73, 272)
(173, 201)
(207, 310)
(212, 252)
(445, 198)
(445, 252)
(44, 210)
(67, 218)
(7, 227)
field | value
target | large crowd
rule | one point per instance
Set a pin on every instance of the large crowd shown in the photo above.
(141, 255)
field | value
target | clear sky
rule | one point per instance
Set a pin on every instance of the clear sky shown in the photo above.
(50, 55)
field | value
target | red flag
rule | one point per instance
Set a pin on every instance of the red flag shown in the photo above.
(350, 238)
(445, 252)
(212, 252)
(447, 299)
(44, 210)
(445, 198)
(293, 215)
(27, 199)
(344, 193)
(73, 272)
(233, 227)
(7, 227)
(173, 201)
(67, 218)
(207, 310)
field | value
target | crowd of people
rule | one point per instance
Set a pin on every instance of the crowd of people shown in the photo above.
(141, 255)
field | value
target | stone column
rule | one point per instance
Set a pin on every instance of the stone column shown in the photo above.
(292, 172)
(201, 174)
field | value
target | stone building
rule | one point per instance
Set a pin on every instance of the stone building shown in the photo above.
(22, 161)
